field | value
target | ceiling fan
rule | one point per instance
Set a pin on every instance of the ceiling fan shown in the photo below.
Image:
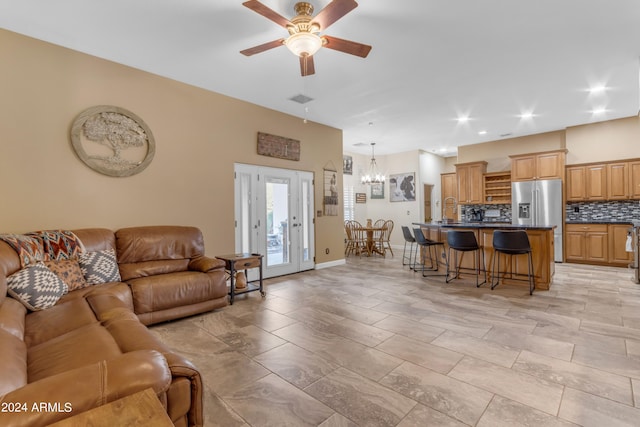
(304, 40)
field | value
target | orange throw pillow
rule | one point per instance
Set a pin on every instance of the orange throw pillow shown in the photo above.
(68, 270)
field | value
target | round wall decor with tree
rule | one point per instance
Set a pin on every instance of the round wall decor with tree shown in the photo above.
(112, 141)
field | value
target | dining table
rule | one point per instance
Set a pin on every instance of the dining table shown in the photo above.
(370, 243)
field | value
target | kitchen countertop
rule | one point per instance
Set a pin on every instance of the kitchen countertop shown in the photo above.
(484, 224)
(601, 221)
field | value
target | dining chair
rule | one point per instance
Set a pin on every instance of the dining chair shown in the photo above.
(350, 245)
(359, 237)
(386, 236)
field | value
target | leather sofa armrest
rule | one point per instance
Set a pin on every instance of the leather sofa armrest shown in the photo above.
(79, 390)
(205, 264)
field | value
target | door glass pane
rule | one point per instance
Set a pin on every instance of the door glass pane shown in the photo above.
(277, 200)
(306, 226)
(245, 213)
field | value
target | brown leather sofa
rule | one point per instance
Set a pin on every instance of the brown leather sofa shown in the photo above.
(93, 347)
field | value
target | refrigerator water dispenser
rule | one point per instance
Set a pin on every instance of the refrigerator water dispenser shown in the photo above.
(524, 210)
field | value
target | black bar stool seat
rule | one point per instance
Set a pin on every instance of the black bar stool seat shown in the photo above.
(512, 243)
(464, 241)
(430, 250)
(408, 238)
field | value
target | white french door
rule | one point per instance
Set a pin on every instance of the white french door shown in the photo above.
(274, 217)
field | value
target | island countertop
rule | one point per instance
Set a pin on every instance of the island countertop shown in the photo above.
(540, 237)
(484, 224)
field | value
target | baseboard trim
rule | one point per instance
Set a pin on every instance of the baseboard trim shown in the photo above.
(331, 264)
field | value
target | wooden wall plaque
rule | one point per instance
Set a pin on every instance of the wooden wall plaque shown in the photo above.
(278, 146)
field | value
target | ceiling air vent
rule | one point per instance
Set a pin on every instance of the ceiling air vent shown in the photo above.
(504, 135)
(301, 99)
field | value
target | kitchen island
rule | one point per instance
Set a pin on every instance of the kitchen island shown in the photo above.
(540, 238)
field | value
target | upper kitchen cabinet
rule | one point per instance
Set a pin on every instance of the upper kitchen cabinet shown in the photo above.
(587, 182)
(634, 179)
(470, 182)
(545, 165)
(617, 180)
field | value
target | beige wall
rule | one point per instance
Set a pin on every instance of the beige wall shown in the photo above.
(610, 140)
(496, 153)
(199, 135)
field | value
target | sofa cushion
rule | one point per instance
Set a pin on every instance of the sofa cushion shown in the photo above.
(80, 347)
(36, 287)
(171, 290)
(99, 267)
(41, 326)
(68, 270)
(155, 246)
(13, 354)
(13, 363)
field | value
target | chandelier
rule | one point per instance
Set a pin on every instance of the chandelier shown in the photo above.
(373, 176)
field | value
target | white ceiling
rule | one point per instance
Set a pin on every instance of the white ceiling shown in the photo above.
(432, 61)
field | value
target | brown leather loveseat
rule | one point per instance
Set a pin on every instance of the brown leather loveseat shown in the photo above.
(92, 346)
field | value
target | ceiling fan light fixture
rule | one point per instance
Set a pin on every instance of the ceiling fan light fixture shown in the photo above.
(304, 43)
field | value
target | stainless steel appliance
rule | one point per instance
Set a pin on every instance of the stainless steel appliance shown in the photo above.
(539, 203)
(634, 246)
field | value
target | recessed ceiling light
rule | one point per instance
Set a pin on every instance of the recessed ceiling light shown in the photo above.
(482, 132)
(443, 150)
(528, 115)
(597, 89)
(599, 111)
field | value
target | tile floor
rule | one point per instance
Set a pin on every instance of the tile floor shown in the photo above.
(372, 343)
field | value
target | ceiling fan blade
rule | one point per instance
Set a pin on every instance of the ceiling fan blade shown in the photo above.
(267, 12)
(262, 47)
(334, 11)
(347, 46)
(306, 65)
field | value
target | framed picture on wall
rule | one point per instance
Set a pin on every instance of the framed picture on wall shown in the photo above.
(330, 193)
(402, 187)
(377, 191)
(347, 165)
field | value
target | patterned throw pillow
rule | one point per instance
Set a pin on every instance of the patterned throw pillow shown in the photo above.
(36, 287)
(68, 270)
(99, 267)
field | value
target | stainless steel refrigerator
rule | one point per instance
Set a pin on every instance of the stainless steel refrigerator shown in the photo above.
(539, 203)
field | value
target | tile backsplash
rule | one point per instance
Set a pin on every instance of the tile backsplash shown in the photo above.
(623, 210)
(505, 212)
(603, 211)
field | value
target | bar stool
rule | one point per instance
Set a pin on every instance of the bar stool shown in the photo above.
(512, 243)
(430, 250)
(464, 241)
(408, 238)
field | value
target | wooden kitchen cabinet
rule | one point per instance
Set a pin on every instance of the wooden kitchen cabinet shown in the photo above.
(602, 244)
(587, 243)
(449, 187)
(497, 188)
(470, 182)
(586, 182)
(618, 254)
(546, 165)
(634, 180)
(596, 182)
(576, 183)
(618, 181)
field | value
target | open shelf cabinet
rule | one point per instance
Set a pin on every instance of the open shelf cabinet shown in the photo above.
(497, 188)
